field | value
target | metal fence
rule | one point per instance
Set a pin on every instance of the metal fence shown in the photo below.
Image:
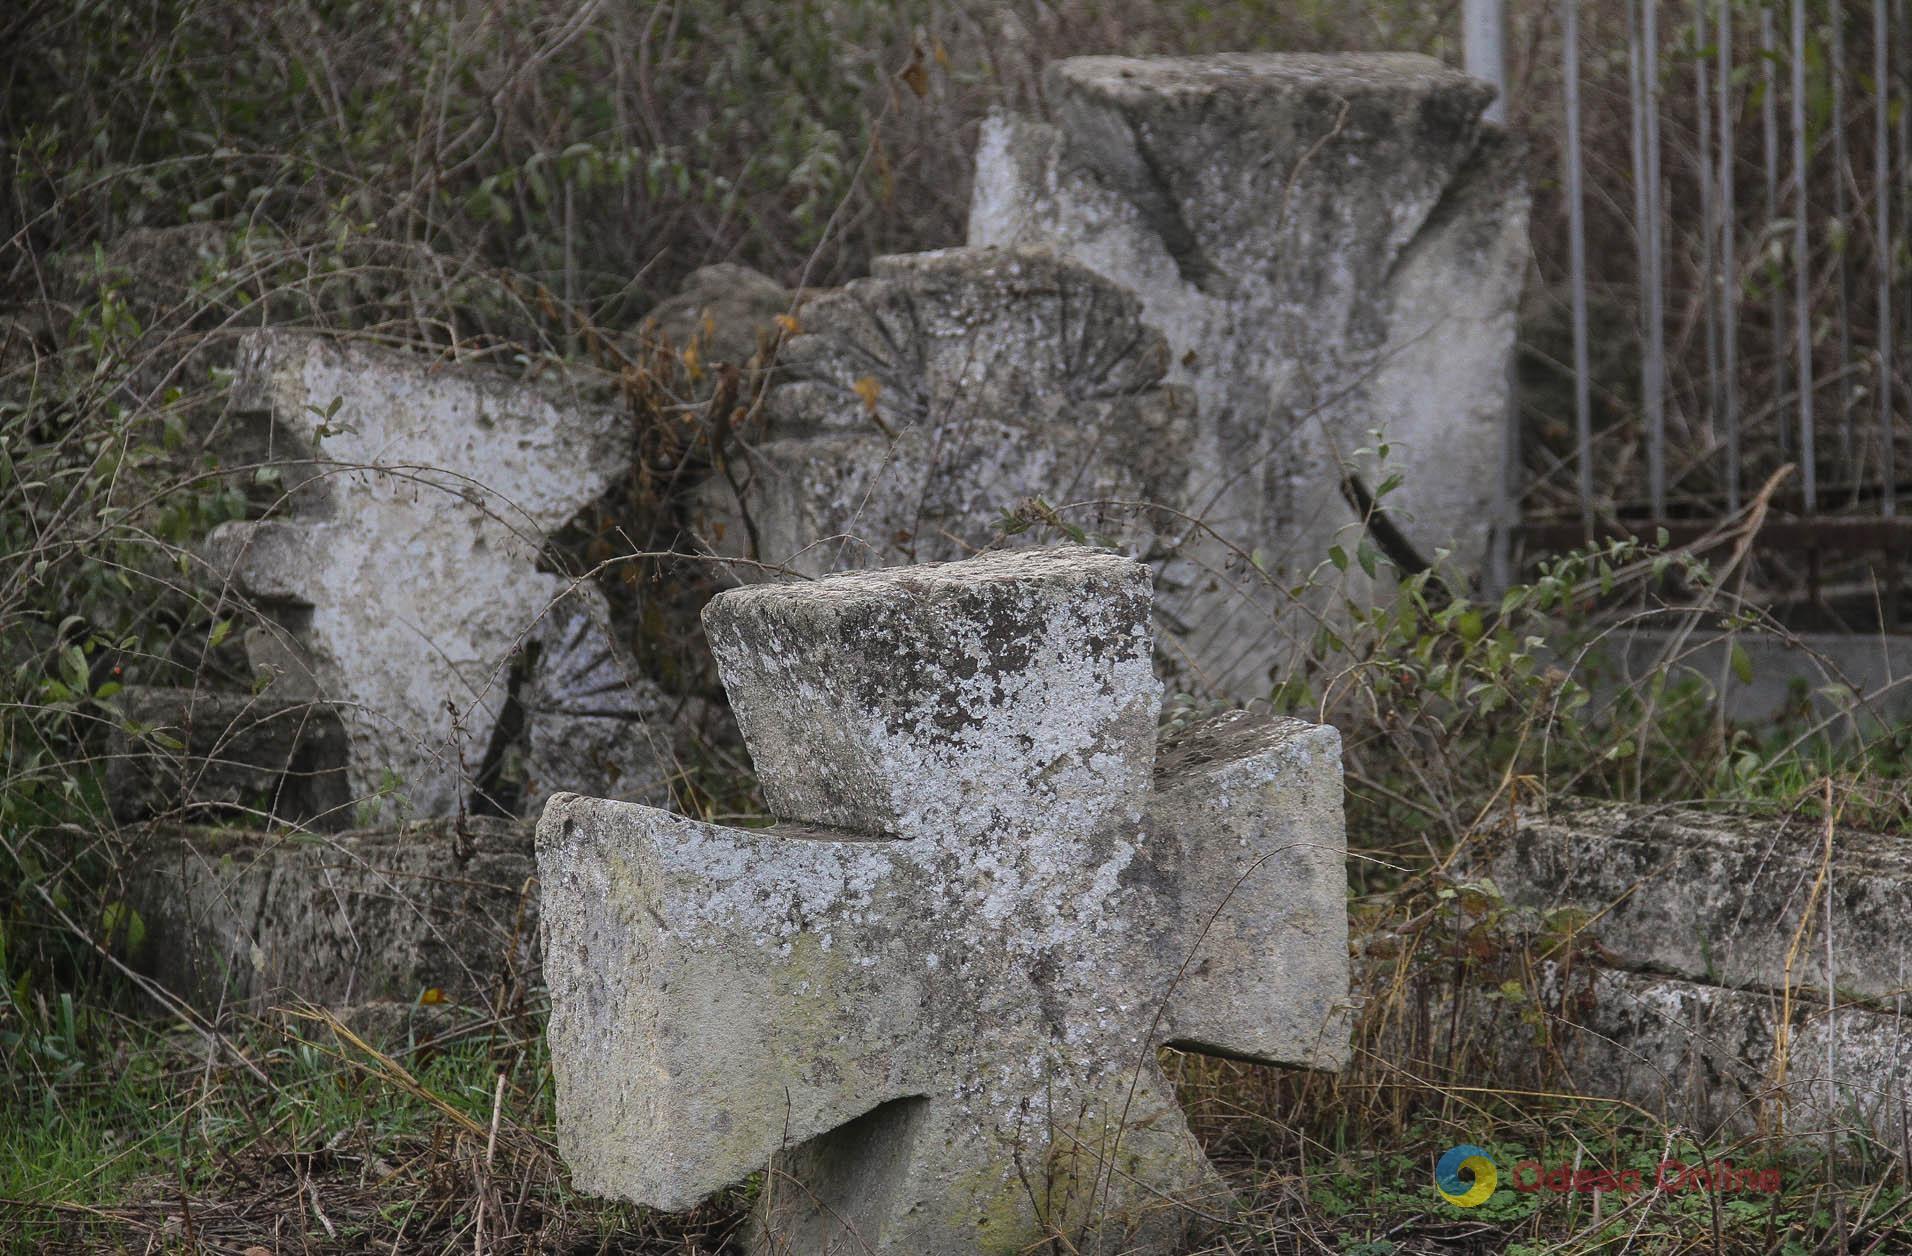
(1775, 138)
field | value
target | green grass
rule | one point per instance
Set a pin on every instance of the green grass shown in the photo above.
(130, 1112)
(102, 1155)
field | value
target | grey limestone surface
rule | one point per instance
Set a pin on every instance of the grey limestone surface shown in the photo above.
(933, 992)
(400, 579)
(918, 407)
(1725, 973)
(247, 919)
(1333, 246)
(1723, 898)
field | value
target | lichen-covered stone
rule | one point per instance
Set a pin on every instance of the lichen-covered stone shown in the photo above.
(934, 991)
(1664, 936)
(243, 919)
(1331, 245)
(403, 577)
(920, 406)
(1703, 1056)
(1721, 898)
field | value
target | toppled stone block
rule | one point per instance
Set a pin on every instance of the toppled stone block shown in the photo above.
(405, 579)
(243, 919)
(1332, 245)
(183, 753)
(920, 407)
(1698, 986)
(934, 991)
(1705, 1056)
(1722, 899)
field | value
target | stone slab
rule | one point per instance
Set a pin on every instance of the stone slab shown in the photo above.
(1719, 898)
(1702, 1056)
(240, 919)
(1645, 951)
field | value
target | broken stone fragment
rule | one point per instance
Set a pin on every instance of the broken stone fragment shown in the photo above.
(920, 407)
(1678, 960)
(402, 579)
(1720, 898)
(1332, 245)
(1689, 1053)
(943, 976)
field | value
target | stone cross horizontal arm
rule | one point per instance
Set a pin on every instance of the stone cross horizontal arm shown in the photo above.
(933, 993)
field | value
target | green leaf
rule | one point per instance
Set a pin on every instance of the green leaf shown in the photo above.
(123, 926)
(219, 633)
(1339, 557)
(1742, 664)
(73, 663)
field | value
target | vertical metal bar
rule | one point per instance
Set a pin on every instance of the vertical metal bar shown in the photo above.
(1882, 247)
(1577, 260)
(1642, 208)
(1769, 127)
(1841, 213)
(1483, 51)
(1709, 225)
(1656, 251)
(1729, 270)
(1802, 264)
(1483, 25)
(1902, 56)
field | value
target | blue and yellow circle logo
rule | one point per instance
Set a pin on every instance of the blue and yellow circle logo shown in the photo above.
(1464, 1176)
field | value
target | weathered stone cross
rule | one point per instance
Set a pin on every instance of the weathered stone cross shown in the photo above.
(933, 994)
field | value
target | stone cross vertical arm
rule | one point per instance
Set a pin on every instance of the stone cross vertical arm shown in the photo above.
(931, 996)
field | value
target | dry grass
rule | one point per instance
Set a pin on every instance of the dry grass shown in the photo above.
(414, 175)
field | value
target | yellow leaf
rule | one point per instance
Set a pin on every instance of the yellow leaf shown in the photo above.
(789, 324)
(693, 362)
(432, 997)
(868, 389)
(915, 74)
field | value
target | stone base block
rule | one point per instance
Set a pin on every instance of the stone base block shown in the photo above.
(248, 919)
(1707, 1057)
(1730, 973)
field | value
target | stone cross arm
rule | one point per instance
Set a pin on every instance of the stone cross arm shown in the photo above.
(932, 995)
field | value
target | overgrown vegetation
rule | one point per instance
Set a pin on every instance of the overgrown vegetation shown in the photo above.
(520, 183)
